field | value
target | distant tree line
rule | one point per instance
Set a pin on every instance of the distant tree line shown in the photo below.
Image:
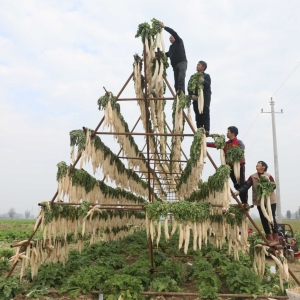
(12, 214)
(295, 215)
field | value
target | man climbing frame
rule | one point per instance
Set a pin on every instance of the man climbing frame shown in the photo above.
(177, 56)
(202, 119)
(233, 141)
(253, 180)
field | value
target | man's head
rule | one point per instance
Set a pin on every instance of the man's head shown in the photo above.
(261, 167)
(232, 132)
(172, 39)
(201, 66)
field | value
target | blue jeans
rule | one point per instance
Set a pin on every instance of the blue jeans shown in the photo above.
(179, 75)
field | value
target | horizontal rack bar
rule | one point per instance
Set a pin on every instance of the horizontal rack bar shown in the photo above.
(133, 99)
(154, 159)
(182, 294)
(120, 204)
(144, 133)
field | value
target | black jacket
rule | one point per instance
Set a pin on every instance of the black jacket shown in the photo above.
(206, 86)
(176, 51)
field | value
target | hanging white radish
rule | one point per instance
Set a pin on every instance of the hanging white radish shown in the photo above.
(200, 100)
(162, 41)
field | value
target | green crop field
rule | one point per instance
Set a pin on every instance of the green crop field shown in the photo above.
(295, 224)
(126, 263)
(15, 229)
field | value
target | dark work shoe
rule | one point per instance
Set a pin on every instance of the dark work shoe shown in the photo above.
(207, 133)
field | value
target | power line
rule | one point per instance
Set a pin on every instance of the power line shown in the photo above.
(259, 136)
(251, 125)
(292, 99)
(293, 71)
(254, 121)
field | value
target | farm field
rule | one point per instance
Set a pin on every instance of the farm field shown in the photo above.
(15, 229)
(126, 263)
(295, 224)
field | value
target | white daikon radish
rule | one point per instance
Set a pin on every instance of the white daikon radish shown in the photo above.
(187, 238)
(200, 101)
(162, 41)
(270, 210)
(236, 171)
(222, 157)
(174, 227)
(166, 227)
(180, 236)
(158, 233)
(263, 209)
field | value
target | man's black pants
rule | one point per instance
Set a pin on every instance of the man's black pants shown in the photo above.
(203, 120)
(265, 222)
(179, 75)
(243, 196)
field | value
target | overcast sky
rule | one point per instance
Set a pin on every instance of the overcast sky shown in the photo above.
(56, 56)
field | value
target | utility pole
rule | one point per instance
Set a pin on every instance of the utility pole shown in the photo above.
(278, 206)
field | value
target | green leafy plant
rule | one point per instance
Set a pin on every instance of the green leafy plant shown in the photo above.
(195, 83)
(159, 258)
(264, 187)
(166, 284)
(140, 269)
(219, 140)
(216, 181)
(86, 279)
(200, 265)
(4, 265)
(115, 261)
(218, 260)
(126, 285)
(10, 287)
(173, 269)
(234, 154)
(49, 275)
(208, 284)
(194, 157)
(6, 253)
(240, 279)
(144, 31)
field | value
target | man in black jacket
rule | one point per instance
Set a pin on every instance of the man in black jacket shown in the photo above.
(203, 120)
(178, 58)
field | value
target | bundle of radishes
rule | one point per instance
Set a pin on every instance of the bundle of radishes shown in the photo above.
(176, 140)
(192, 173)
(233, 156)
(263, 191)
(195, 86)
(220, 144)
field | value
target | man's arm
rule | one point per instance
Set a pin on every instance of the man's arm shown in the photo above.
(241, 144)
(272, 180)
(174, 33)
(246, 186)
(211, 145)
(206, 81)
(170, 30)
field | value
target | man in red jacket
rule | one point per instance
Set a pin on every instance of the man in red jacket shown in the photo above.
(232, 133)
